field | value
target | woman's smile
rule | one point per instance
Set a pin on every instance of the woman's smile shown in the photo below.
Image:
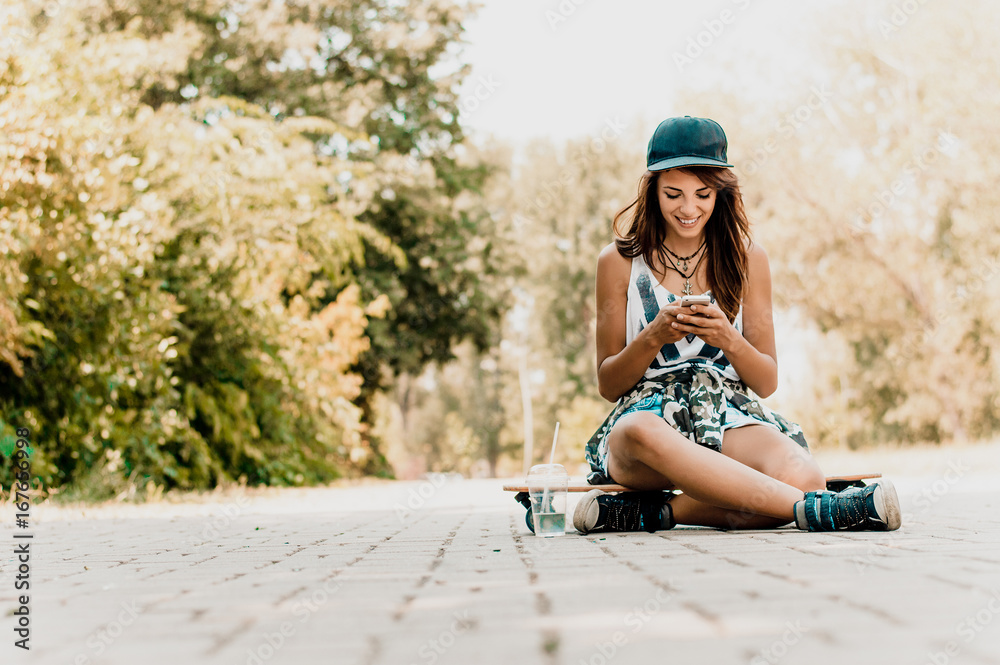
(687, 204)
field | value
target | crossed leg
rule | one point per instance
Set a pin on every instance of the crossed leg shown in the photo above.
(753, 484)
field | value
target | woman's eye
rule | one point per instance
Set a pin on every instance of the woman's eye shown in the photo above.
(677, 196)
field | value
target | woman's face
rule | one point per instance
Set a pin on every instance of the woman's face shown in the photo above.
(685, 202)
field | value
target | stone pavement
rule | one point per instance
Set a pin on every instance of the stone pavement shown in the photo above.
(444, 572)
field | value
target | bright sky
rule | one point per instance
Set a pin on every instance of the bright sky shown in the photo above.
(563, 68)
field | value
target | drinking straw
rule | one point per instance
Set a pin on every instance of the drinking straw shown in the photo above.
(555, 437)
(552, 457)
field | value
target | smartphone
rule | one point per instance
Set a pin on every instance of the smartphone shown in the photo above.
(687, 301)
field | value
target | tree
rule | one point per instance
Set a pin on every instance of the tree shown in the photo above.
(553, 215)
(382, 69)
(172, 270)
(875, 197)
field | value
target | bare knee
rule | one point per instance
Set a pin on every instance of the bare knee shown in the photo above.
(641, 431)
(636, 446)
(804, 474)
(774, 455)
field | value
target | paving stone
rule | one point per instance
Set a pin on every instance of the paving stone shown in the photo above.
(450, 574)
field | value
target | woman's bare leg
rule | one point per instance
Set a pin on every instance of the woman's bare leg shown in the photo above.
(768, 451)
(731, 490)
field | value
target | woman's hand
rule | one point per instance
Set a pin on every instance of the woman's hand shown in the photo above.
(707, 322)
(663, 325)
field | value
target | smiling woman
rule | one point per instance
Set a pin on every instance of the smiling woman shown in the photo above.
(680, 202)
(684, 376)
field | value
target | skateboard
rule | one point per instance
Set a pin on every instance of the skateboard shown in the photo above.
(833, 484)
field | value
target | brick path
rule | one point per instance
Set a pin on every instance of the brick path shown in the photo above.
(408, 573)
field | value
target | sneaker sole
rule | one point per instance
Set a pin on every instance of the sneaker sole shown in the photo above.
(587, 511)
(887, 504)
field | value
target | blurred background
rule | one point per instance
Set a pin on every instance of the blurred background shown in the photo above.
(287, 241)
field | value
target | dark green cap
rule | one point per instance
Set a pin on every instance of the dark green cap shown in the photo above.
(686, 141)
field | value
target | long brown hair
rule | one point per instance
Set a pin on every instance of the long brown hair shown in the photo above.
(644, 230)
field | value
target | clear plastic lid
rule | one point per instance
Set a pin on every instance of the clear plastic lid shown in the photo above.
(548, 470)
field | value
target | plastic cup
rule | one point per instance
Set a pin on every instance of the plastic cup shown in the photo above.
(547, 491)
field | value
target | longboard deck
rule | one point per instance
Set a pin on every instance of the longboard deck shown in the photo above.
(577, 485)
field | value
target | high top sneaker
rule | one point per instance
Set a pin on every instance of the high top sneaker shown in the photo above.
(627, 511)
(874, 507)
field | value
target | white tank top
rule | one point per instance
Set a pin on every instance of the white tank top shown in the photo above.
(645, 298)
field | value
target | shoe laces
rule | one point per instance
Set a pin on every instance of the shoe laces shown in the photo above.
(851, 507)
(630, 513)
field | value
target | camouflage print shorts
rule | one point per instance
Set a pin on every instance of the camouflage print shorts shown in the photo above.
(697, 402)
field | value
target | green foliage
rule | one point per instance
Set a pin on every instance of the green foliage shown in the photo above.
(227, 227)
(870, 182)
(455, 416)
(877, 207)
(387, 70)
(551, 219)
(188, 212)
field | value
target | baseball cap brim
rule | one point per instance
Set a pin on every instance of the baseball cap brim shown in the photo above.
(686, 160)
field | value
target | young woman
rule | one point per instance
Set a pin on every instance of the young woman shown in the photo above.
(682, 376)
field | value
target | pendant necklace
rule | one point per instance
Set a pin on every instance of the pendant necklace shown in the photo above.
(687, 278)
(683, 260)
